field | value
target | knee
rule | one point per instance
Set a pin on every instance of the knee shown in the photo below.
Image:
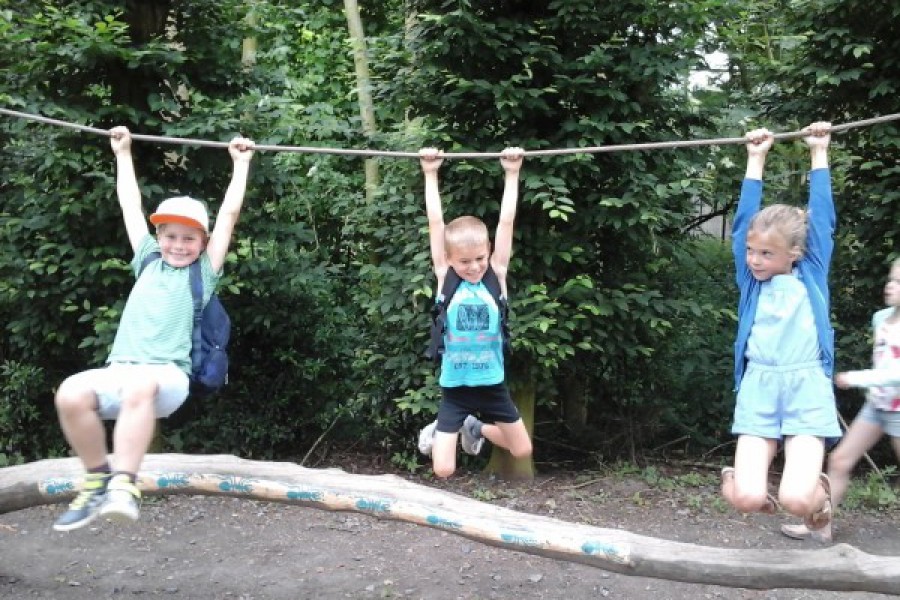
(748, 502)
(138, 396)
(523, 450)
(73, 398)
(796, 504)
(840, 462)
(443, 471)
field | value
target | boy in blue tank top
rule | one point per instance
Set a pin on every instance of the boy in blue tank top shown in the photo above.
(146, 375)
(473, 379)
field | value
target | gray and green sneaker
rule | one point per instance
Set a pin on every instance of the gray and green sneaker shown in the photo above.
(471, 439)
(86, 505)
(123, 500)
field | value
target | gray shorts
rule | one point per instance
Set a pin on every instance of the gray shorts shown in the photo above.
(888, 420)
(108, 382)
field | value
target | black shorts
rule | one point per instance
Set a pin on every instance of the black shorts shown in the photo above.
(490, 403)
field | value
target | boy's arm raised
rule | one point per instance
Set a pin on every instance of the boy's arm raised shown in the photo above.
(241, 151)
(127, 187)
(430, 160)
(511, 160)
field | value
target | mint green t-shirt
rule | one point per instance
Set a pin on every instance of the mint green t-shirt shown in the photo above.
(157, 323)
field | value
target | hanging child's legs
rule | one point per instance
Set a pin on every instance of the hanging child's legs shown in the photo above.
(862, 434)
(746, 487)
(76, 407)
(443, 454)
(802, 491)
(134, 395)
(511, 436)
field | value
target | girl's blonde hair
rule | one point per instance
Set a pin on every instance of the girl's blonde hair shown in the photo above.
(789, 222)
(465, 231)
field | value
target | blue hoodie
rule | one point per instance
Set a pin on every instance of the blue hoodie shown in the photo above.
(812, 269)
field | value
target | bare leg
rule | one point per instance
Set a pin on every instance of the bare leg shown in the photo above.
(443, 454)
(858, 440)
(511, 436)
(133, 431)
(800, 492)
(747, 490)
(81, 424)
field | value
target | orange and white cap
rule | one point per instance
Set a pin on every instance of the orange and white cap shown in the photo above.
(184, 210)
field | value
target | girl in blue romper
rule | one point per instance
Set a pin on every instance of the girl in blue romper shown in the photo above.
(784, 353)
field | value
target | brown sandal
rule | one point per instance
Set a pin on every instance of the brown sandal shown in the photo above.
(822, 517)
(769, 508)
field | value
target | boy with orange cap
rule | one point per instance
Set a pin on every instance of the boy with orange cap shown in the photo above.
(146, 374)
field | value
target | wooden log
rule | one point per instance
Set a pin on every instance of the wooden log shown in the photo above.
(841, 567)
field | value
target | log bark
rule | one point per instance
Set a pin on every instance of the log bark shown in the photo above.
(841, 567)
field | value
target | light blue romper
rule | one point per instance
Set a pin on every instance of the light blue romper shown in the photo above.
(784, 390)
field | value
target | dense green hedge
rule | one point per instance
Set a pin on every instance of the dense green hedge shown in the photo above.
(623, 318)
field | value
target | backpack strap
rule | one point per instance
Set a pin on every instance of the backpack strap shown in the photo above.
(149, 259)
(439, 316)
(492, 283)
(197, 295)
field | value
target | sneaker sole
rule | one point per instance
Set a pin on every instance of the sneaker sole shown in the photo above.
(119, 517)
(76, 524)
(114, 515)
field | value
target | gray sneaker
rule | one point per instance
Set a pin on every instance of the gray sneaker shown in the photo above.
(426, 438)
(470, 441)
(122, 500)
(86, 505)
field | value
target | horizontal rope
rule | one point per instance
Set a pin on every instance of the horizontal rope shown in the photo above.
(450, 155)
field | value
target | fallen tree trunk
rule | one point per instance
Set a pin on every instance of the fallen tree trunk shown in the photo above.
(840, 567)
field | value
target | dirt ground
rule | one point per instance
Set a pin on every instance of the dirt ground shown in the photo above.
(197, 547)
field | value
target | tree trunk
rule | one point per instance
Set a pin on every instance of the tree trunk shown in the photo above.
(363, 90)
(249, 46)
(503, 464)
(841, 567)
(574, 403)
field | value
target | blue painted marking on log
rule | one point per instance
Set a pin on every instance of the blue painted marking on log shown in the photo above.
(179, 480)
(309, 495)
(373, 505)
(236, 484)
(60, 486)
(599, 548)
(519, 540)
(442, 522)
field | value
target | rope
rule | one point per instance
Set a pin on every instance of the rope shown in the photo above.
(398, 154)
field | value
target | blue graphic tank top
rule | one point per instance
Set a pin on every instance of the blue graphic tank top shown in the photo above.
(473, 342)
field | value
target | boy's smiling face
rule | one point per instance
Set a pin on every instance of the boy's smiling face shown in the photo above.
(469, 261)
(179, 244)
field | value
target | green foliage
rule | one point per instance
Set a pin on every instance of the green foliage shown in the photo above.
(28, 427)
(623, 317)
(64, 273)
(872, 492)
(592, 231)
(695, 363)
